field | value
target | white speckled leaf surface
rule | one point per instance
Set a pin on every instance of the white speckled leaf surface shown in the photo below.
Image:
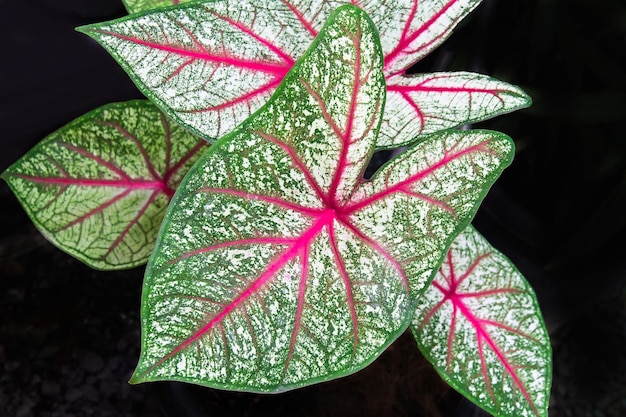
(98, 187)
(278, 266)
(479, 324)
(210, 65)
(427, 103)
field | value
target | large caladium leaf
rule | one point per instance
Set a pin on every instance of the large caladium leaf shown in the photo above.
(480, 326)
(98, 187)
(211, 65)
(278, 265)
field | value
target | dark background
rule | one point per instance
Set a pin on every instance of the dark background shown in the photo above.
(69, 335)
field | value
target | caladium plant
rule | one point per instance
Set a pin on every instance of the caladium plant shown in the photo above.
(277, 264)
(98, 187)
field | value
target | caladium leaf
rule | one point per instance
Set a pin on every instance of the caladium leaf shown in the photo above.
(211, 65)
(278, 265)
(98, 187)
(428, 103)
(479, 324)
(136, 6)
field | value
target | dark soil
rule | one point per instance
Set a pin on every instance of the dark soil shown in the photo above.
(69, 335)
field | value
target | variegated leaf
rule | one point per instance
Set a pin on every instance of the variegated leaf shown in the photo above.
(210, 65)
(137, 6)
(428, 103)
(278, 266)
(480, 326)
(98, 187)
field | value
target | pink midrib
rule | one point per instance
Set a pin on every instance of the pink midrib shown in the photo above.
(346, 137)
(286, 58)
(439, 89)
(140, 184)
(278, 69)
(305, 23)
(124, 182)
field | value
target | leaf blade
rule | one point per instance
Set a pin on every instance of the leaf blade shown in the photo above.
(291, 241)
(423, 104)
(495, 349)
(98, 187)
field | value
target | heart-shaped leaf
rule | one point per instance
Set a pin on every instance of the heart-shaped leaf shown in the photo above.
(479, 324)
(211, 65)
(278, 265)
(98, 187)
(137, 6)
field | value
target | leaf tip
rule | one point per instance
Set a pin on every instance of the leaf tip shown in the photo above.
(135, 379)
(528, 100)
(138, 376)
(523, 99)
(85, 29)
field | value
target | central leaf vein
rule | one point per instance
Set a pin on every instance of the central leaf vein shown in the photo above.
(278, 69)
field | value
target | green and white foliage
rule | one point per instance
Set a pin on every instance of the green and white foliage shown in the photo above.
(98, 187)
(278, 266)
(137, 6)
(427, 103)
(479, 324)
(210, 65)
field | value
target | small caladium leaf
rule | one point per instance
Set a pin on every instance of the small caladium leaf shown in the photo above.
(480, 326)
(278, 265)
(427, 103)
(211, 65)
(98, 187)
(136, 6)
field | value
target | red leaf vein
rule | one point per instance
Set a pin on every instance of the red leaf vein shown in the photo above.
(407, 38)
